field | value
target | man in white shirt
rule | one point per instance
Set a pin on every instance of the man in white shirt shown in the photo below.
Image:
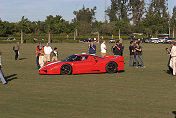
(47, 51)
(1, 74)
(173, 58)
(103, 48)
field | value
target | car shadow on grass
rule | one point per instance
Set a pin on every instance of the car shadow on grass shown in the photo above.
(122, 71)
(10, 77)
(22, 58)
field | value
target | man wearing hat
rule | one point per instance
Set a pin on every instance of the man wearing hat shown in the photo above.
(1, 74)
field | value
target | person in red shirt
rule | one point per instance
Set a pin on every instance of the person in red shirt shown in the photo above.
(38, 54)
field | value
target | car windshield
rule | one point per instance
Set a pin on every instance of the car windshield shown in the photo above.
(75, 58)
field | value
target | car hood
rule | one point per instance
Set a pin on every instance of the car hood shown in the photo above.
(51, 64)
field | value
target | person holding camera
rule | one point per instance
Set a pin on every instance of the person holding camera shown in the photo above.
(138, 50)
(117, 49)
(132, 52)
(92, 48)
(103, 48)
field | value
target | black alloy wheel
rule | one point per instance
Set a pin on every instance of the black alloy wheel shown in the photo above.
(111, 67)
(66, 69)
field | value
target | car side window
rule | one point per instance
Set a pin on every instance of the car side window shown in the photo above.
(81, 58)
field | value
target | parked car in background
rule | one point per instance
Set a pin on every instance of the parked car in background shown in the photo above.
(147, 41)
(169, 40)
(10, 39)
(85, 40)
(154, 40)
(111, 40)
(162, 40)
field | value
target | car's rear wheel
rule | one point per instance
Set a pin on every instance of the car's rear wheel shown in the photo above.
(111, 67)
(66, 69)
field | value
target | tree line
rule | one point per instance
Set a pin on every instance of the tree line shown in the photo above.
(124, 16)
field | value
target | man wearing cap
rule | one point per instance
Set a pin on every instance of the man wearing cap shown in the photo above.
(1, 74)
(173, 58)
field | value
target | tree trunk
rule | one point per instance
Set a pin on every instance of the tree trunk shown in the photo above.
(21, 36)
(76, 32)
(98, 37)
(49, 37)
(119, 34)
(74, 35)
(173, 32)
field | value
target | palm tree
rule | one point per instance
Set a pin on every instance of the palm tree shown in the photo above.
(23, 26)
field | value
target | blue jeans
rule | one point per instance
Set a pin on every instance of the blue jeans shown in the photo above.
(37, 61)
(131, 60)
(2, 77)
(137, 61)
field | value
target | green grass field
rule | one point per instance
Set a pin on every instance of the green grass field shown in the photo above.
(135, 93)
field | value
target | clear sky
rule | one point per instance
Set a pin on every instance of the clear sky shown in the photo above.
(34, 10)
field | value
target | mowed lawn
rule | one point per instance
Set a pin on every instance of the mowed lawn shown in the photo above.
(135, 93)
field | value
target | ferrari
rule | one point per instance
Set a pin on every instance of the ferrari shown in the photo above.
(84, 63)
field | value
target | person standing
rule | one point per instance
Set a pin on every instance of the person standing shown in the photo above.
(54, 54)
(173, 58)
(103, 48)
(38, 54)
(117, 49)
(132, 51)
(1, 73)
(121, 45)
(92, 48)
(139, 55)
(16, 49)
(47, 51)
(41, 56)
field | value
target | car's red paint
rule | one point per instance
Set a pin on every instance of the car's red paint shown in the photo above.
(93, 64)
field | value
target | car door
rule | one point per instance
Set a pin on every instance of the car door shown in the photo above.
(84, 66)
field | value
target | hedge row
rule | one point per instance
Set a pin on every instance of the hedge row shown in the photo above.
(38, 41)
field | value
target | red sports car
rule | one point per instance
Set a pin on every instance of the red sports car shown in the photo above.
(83, 63)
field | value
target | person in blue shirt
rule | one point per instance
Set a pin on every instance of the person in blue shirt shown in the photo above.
(92, 48)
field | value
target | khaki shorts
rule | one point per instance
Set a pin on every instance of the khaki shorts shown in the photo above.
(47, 57)
(54, 58)
(41, 62)
(103, 54)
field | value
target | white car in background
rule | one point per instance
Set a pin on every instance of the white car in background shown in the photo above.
(155, 40)
(162, 40)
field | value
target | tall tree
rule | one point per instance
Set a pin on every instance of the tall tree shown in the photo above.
(85, 17)
(122, 8)
(23, 26)
(112, 11)
(137, 8)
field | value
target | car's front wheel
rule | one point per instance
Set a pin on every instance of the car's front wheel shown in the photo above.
(66, 69)
(111, 67)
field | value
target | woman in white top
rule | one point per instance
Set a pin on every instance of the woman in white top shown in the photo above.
(103, 48)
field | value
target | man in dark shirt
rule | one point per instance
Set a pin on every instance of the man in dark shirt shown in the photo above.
(92, 48)
(117, 49)
(132, 51)
(139, 55)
